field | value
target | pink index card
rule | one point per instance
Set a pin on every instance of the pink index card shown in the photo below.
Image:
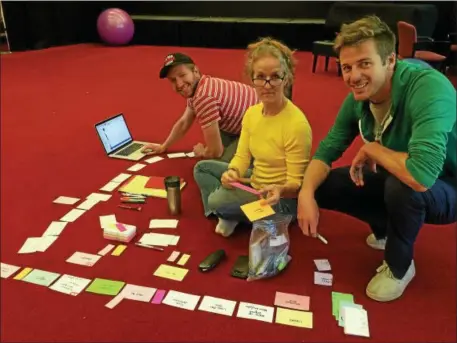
(121, 227)
(246, 188)
(158, 296)
(296, 302)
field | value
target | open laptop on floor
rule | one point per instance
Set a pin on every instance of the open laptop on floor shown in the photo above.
(117, 140)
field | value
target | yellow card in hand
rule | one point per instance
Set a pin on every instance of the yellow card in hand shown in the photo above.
(301, 319)
(255, 210)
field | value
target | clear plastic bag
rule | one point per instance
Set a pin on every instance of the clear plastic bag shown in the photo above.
(269, 247)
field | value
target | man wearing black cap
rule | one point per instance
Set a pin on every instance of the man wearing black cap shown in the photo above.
(218, 105)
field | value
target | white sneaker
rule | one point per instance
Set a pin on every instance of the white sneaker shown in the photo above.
(378, 244)
(226, 227)
(385, 287)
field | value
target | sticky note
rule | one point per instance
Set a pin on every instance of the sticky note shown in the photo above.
(174, 255)
(106, 250)
(255, 210)
(337, 297)
(105, 287)
(23, 273)
(293, 301)
(294, 318)
(120, 227)
(170, 272)
(41, 277)
(344, 304)
(158, 296)
(183, 260)
(119, 250)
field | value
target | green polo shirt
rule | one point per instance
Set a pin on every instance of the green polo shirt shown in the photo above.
(421, 123)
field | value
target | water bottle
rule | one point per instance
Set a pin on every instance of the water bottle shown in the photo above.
(173, 188)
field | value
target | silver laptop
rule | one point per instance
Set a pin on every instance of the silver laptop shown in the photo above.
(117, 140)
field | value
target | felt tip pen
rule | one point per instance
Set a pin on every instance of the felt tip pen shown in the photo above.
(130, 207)
(148, 246)
(322, 239)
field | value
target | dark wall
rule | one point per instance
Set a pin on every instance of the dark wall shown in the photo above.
(256, 9)
(40, 24)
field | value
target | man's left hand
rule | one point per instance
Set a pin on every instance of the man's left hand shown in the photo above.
(272, 194)
(361, 160)
(199, 150)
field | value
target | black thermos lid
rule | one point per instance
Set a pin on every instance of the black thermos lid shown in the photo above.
(172, 182)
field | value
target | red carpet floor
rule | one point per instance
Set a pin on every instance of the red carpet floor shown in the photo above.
(50, 101)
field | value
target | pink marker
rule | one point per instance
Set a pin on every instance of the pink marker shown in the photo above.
(246, 188)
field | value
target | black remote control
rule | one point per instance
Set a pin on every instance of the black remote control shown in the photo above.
(211, 261)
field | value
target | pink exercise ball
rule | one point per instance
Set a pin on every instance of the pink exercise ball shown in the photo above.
(115, 26)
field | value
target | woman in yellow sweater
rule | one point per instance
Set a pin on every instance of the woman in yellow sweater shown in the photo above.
(275, 134)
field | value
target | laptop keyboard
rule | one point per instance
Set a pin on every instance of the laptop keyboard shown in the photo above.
(131, 148)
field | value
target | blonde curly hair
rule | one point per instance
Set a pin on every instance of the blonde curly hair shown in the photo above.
(271, 47)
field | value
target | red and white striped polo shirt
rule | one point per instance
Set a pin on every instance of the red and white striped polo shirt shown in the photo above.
(223, 101)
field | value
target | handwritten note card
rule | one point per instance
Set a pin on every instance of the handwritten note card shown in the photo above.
(105, 287)
(7, 270)
(55, 228)
(300, 319)
(66, 200)
(41, 277)
(181, 300)
(356, 322)
(170, 272)
(132, 292)
(72, 215)
(323, 279)
(217, 305)
(297, 302)
(83, 259)
(255, 312)
(255, 210)
(322, 265)
(69, 284)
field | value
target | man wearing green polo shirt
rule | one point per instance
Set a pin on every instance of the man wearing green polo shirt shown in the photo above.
(405, 173)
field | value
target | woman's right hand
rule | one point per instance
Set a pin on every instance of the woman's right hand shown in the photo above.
(228, 177)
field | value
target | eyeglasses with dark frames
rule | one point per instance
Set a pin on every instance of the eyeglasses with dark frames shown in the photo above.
(274, 81)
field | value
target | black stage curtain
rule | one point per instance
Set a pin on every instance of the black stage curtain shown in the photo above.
(43, 24)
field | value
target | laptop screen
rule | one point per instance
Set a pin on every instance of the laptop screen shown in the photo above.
(113, 133)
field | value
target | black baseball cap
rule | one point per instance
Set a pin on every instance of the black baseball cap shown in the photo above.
(174, 60)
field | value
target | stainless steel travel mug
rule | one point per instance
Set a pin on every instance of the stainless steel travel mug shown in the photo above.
(173, 188)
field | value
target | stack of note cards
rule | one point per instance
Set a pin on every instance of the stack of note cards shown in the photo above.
(293, 310)
(116, 231)
(119, 232)
(352, 317)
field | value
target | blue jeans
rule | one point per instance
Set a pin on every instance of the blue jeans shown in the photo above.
(392, 209)
(225, 203)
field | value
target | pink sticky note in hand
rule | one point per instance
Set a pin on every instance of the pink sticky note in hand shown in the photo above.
(120, 227)
(158, 297)
(293, 301)
(246, 188)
